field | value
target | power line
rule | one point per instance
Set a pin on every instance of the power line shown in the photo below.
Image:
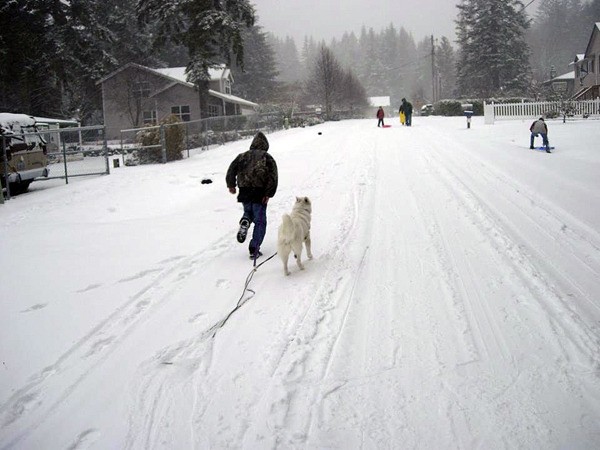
(523, 9)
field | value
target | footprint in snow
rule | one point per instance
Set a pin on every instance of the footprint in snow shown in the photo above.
(139, 275)
(89, 288)
(85, 439)
(35, 307)
(195, 318)
(223, 284)
(171, 259)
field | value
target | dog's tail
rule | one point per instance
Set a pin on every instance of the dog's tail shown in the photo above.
(286, 230)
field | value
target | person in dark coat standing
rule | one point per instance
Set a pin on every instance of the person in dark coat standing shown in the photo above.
(539, 127)
(380, 116)
(406, 108)
(255, 173)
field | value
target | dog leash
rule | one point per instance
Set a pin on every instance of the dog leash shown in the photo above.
(242, 301)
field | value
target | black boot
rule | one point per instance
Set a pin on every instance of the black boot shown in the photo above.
(243, 231)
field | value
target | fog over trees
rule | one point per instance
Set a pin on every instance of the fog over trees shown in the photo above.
(53, 53)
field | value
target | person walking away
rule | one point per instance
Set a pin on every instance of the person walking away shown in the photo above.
(407, 108)
(380, 116)
(255, 173)
(539, 127)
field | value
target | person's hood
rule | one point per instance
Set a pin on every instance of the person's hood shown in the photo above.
(260, 142)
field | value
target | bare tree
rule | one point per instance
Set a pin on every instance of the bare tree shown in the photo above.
(324, 84)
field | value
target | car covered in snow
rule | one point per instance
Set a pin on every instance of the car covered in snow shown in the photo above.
(23, 152)
(427, 110)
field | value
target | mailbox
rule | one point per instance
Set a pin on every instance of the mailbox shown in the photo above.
(468, 114)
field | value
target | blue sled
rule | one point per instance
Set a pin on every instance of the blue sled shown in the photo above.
(543, 148)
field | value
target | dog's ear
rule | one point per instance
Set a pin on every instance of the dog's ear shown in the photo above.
(307, 200)
(298, 199)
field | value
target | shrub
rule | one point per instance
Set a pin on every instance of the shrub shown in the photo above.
(174, 140)
(448, 108)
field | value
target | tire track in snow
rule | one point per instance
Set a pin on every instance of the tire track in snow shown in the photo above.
(556, 298)
(282, 409)
(192, 359)
(45, 391)
(517, 329)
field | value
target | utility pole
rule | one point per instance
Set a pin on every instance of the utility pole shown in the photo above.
(433, 93)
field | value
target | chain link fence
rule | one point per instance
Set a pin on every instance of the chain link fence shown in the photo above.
(76, 152)
(84, 151)
(52, 154)
(152, 143)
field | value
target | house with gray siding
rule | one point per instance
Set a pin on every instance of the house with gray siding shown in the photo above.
(135, 95)
(587, 68)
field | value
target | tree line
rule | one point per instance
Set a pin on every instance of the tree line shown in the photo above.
(54, 52)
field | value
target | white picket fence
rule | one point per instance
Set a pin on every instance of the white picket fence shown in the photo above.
(506, 111)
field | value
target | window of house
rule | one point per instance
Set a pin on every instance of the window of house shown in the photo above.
(149, 117)
(227, 86)
(182, 112)
(213, 110)
(141, 89)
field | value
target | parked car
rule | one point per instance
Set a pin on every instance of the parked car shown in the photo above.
(427, 110)
(23, 152)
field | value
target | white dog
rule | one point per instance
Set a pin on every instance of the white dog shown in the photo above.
(295, 230)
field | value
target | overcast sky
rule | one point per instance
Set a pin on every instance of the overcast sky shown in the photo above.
(325, 19)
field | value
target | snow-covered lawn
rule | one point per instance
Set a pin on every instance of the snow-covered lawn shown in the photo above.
(453, 301)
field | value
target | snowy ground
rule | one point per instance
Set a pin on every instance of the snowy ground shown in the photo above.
(453, 301)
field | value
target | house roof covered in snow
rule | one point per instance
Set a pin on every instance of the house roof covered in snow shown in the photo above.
(178, 76)
(578, 57)
(175, 73)
(564, 77)
(178, 73)
(379, 101)
(593, 36)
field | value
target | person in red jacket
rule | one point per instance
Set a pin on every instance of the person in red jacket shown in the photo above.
(380, 116)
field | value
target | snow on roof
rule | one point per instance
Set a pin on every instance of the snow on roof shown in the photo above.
(174, 72)
(233, 98)
(379, 101)
(178, 73)
(50, 120)
(566, 76)
(578, 57)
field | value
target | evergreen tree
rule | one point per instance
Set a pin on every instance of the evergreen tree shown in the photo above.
(52, 53)
(211, 30)
(592, 11)
(371, 67)
(493, 55)
(421, 88)
(256, 82)
(287, 59)
(347, 50)
(309, 54)
(557, 35)
(446, 65)
(27, 82)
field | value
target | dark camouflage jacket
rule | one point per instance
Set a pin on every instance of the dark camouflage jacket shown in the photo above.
(254, 172)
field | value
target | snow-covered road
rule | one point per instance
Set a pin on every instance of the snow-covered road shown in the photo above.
(453, 301)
